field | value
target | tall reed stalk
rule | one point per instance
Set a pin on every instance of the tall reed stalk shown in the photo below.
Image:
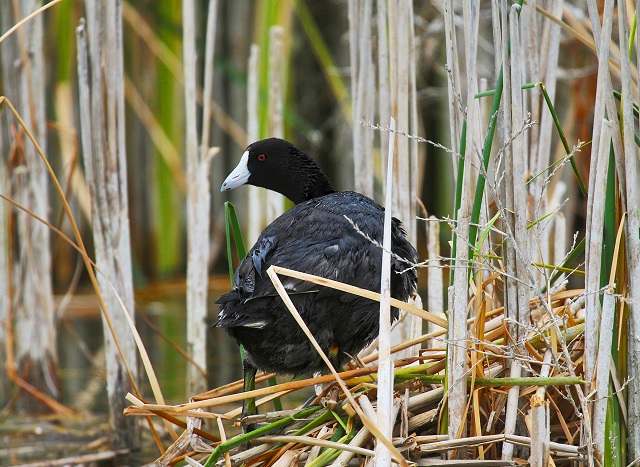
(28, 308)
(631, 200)
(525, 154)
(101, 78)
(199, 155)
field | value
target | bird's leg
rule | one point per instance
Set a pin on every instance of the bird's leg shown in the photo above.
(249, 405)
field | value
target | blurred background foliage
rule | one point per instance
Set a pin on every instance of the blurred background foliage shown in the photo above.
(316, 96)
(317, 118)
(315, 108)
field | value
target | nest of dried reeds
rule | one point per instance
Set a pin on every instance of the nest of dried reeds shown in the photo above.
(331, 430)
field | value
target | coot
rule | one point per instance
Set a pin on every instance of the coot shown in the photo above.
(314, 237)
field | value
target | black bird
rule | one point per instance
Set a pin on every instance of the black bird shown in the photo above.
(313, 237)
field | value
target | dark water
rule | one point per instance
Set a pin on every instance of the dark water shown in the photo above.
(25, 439)
(82, 333)
(33, 438)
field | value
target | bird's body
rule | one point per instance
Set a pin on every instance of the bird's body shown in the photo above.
(327, 233)
(316, 238)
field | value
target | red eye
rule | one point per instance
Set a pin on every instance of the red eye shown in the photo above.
(262, 157)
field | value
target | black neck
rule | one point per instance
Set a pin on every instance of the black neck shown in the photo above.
(308, 180)
(316, 188)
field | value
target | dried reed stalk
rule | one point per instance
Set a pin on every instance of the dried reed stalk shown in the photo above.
(453, 83)
(255, 210)
(363, 94)
(631, 199)
(402, 181)
(516, 178)
(596, 205)
(385, 366)
(604, 90)
(275, 201)
(540, 420)
(384, 97)
(435, 286)
(362, 293)
(198, 194)
(457, 364)
(102, 124)
(5, 284)
(602, 37)
(540, 137)
(27, 309)
(416, 168)
(405, 166)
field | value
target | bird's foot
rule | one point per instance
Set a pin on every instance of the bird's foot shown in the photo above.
(251, 423)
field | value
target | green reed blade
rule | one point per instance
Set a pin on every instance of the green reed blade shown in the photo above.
(563, 138)
(240, 440)
(231, 224)
(461, 162)
(577, 251)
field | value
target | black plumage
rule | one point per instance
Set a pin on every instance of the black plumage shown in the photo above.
(314, 237)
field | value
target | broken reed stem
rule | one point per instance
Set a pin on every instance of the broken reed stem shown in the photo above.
(540, 423)
(457, 365)
(427, 316)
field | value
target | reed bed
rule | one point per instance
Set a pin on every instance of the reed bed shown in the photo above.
(330, 431)
(525, 364)
(531, 359)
